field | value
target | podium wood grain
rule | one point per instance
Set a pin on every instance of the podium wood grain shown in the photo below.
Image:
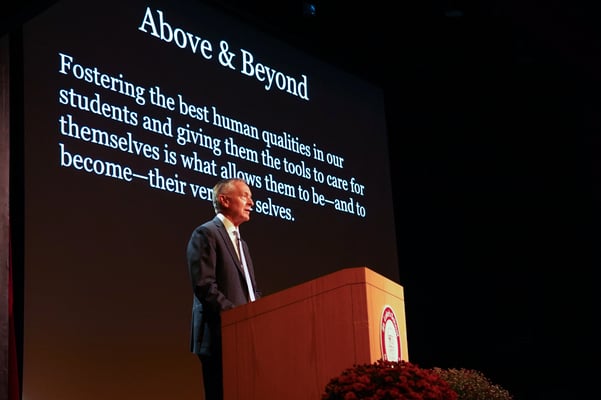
(288, 345)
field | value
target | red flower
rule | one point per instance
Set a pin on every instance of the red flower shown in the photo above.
(388, 380)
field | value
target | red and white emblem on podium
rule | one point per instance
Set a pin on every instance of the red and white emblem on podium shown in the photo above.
(390, 337)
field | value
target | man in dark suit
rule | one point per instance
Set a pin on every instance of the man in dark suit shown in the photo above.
(221, 277)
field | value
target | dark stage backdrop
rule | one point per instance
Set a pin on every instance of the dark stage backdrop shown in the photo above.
(133, 110)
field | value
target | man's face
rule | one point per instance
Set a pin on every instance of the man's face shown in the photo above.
(237, 203)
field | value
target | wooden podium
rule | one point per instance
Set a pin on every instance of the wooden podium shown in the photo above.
(289, 345)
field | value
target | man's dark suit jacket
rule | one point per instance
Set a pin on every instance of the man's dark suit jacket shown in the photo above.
(218, 282)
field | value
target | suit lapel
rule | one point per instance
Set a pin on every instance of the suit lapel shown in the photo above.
(225, 236)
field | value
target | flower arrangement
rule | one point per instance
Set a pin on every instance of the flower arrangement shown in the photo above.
(388, 380)
(472, 385)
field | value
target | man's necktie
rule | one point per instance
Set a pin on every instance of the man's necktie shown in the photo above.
(251, 292)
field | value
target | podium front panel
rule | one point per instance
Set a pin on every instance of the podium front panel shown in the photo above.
(288, 345)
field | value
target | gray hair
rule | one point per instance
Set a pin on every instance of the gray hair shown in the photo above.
(222, 187)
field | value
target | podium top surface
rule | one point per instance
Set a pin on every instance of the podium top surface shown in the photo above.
(361, 276)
